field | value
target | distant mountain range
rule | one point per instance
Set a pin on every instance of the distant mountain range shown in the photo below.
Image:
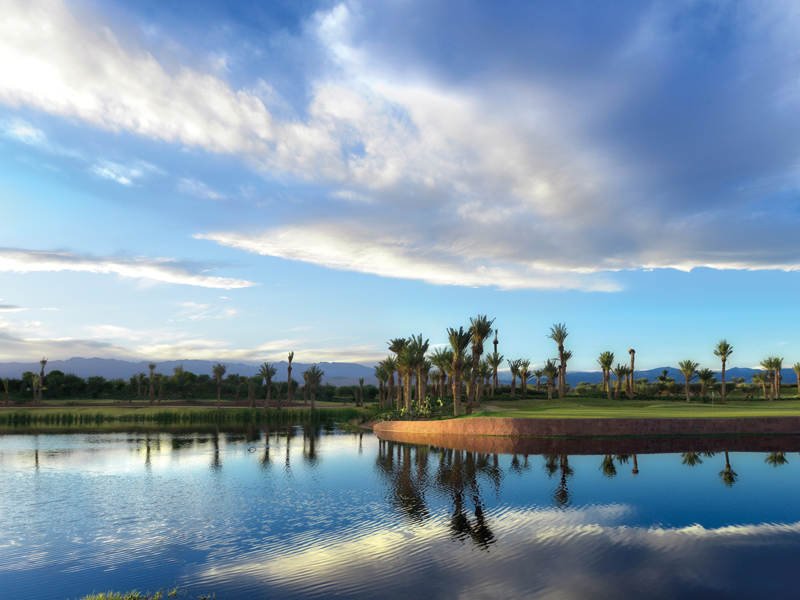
(336, 373)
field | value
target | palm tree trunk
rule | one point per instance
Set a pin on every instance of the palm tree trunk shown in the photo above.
(473, 399)
(269, 394)
(687, 389)
(513, 385)
(407, 394)
(289, 387)
(562, 373)
(724, 391)
(619, 388)
(313, 396)
(457, 391)
(219, 393)
(399, 390)
(549, 389)
(494, 380)
(608, 385)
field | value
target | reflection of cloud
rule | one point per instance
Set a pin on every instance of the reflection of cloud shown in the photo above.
(161, 269)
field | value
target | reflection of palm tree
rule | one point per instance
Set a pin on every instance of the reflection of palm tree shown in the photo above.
(776, 459)
(691, 459)
(728, 475)
(216, 463)
(607, 466)
(553, 463)
(635, 470)
(310, 433)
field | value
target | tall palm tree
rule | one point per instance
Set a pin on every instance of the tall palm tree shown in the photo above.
(632, 352)
(382, 377)
(538, 373)
(705, 376)
(550, 371)
(268, 371)
(723, 350)
(6, 395)
(389, 365)
(495, 360)
(513, 366)
(621, 372)
(796, 369)
(484, 373)
(152, 367)
(778, 365)
(424, 370)
(524, 373)
(219, 372)
(422, 367)
(688, 369)
(396, 345)
(606, 362)
(313, 376)
(288, 381)
(459, 340)
(558, 333)
(42, 362)
(407, 360)
(480, 328)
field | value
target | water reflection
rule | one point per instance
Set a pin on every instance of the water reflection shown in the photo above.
(300, 511)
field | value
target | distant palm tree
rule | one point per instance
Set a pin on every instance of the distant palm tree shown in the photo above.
(480, 328)
(514, 365)
(632, 352)
(723, 350)
(796, 369)
(688, 369)
(268, 371)
(558, 333)
(550, 371)
(606, 362)
(42, 362)
(218, 371)
(389, 365)
(704, 376)
(289, 381)
(538, 373)
(621, 372)
(152, 367)
(524, 373)
(761, 378)
(459, 340)
(314, 376)
(382, 377)
(495, 360)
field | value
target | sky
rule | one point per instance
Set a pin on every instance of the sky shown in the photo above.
(236, 180)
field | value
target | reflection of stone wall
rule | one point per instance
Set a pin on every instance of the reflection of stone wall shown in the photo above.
(605, 445)
(543, 428)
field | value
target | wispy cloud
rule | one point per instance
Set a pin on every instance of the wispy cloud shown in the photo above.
(193, 187)
(11, 308)
(162, 270)
(123, 174)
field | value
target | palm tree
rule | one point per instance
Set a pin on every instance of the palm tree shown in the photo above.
(218, 371)
(441, 359)
(6, 395)
(422, 366)
(796, 369)
(139, 378)
(484, 373)
(288, 381)
(313, 376)
(761, 378)
(480, 329)
(424, 370)
(268, 371)
(396, 345)
(778, 365)
(705, 376)
(514, 365)
(606, 362)
(621, 372)
(524, 373)
(152, 367)
(389, 365)
(495, 360)
(538, 373)
(178, 375)
(688, 369)
(558, 333)
(632, 352)
(459, 340)
(723, 350)
(361, 391)
(407, 360)
(550, 371)
(35, 381)
(42, 362)
(381, 376)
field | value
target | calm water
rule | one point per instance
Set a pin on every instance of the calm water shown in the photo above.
(315, 513)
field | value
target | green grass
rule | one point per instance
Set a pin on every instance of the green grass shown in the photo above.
(574, 407)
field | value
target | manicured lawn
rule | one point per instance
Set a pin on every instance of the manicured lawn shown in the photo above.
(577, 407)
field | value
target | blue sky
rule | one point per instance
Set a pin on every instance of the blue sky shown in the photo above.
(236, 180)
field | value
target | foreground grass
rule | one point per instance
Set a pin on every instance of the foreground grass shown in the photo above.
(596, 408)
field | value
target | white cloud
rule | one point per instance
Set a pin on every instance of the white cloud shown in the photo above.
(193, 187)
(122, 174)
(162, 270)
(392, 255)
(11, 308)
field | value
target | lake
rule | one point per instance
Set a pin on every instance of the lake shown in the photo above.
(304, 512)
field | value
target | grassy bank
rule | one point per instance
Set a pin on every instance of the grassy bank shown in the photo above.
(71, 416)
(577, 407)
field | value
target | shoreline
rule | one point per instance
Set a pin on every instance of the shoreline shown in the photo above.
(597, 428)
